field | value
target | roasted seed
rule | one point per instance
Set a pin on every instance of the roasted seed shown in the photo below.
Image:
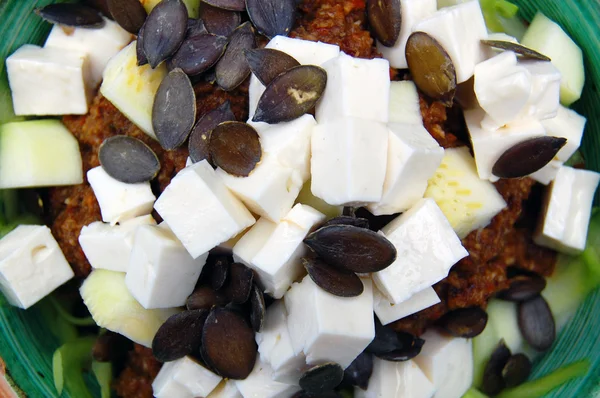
(219, 272)
(235, 147)
(174, 110)
(291, 94)
(359, 372)
(493, 382)
(464, 322)
(228, 344)
(523, 288)
(179, 336)
(322, 378)
(376, 223)
(352, 248)
(385, 18)
(232, 69)
(239, 286)
(272, 17)
(200, 137)
(100, 5)
(198, 53)
(195, 27)
(139, 48)
(268, 63)
(516, 370)
(348, 220)
(129, 14)
(405, 354)
(205, 298)
(536, 323)
(219, 21)
(388, 341)
(431, 67)
(258, 308)
(165, 30)
(333, 280)
(71, 14)
(128, 159)
(527, 157)
(236, 5)
(524, 52)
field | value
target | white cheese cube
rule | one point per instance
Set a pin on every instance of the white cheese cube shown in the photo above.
(31, 265)
(412, 12)
(545, 90)
(327, 327)
(567, 124)
(349, 161)
(388, 312)
(489, 145)
(459, 30)
(274, 250)
(260, 383)
(396, 379)
(184, 378)
(548, 173)
(448, 364)
(120, 201)
(413, 157)
(49, 81)
(427, 248)
(200, 210)
(404, 104)
(563, 225)
(99, 44)
(225, 389)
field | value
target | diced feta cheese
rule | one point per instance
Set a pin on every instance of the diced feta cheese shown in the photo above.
(568, 124)
(225, 389)
(545, 90)
(99, 44)
(388, 312)
(274, 250)
(200, 210)
(427, 248)
(448, 364)
(31, 265)
(404, 103)
(349, 161)
(412, 12)
(327, 327)
(563, 225)
(459, 29)
(413, 157)
(49, 81)
(396, 379)
(260, 383)
(184, 378)
(548, 173)
(120, 201)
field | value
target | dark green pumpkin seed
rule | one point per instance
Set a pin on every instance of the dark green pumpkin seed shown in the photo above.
(139, 48)
(333, 280)
(100, 5)
(239, 284)
(235, 147)
(258, 308)
(385, 18)
(523, 288)
(524, 52)
(179, 336)
(348, 220)
(376, 223)
(200, 137)
(268, 63)
(537, 323)
(527, 157)
(219, 272)
(493, 382)
(198, 53)
(291, 94)
(322, 378)
(389, 342)
(236, 5)
(403, 355)
(219, 21)
(195, 27)
(464, 322)
(71, 14)
(516, 370)
(205, 297)
(272, 17)
(165, 30)
(359, 372)
(128, 159)
(129, 14)
(232, 69)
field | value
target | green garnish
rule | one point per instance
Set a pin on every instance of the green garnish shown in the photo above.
(68, 363)
(103, 372)
(64, 314)
(474, 393)
(501, 16)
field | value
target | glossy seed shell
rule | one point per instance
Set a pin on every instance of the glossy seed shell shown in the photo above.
(388, 340)
(128, 159)
(139, 48)
(385, 18)
(205, 297)
(228, 344)
(493, 382)
(165, 30)
(272, 17)
(174, 110)
(219, 21)
(537, 323)
(258, 308)
(404, 354)
(516, 370)
(219, 272)
(333, 280)
(527, 157)
(179, 336)
(268, 63)
(195, 27)
(464, 322)
(239, 284)
(352, 248)
(291, 94)
(129, 14)
(71, 14)
(348, 220)
(200, 137)
(322, 378)
(524, 52)
(236, 5)
(431, 67)
(359, 372)
(100, 5)
(232, 69)
(198, 53)
(235, 147)
(523, 288)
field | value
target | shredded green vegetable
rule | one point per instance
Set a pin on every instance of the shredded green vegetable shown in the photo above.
(88, 321)
(103, 372)
(501, 16)
(67, 366)
(474, 393)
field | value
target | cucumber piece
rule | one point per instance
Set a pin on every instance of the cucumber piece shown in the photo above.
(307, 198)
(38, 153)
(193, 6)
(547, 37)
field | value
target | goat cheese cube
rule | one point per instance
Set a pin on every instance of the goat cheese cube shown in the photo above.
(448, 364)
(388, 312)
(184, 378)
(349, 161)
(274, 250)
(31, 265)
(99, 44)
(563, 225)
(327, 327)
(49, 81)
(545, 90)
(225, 389)
(396, 379)
(567, 124)
(489, 145)
(120, 201)
(413, 157)
(412, 12)
(548, 173)
(260, 383)
(459, 29)
(404, 104)
(427, 248)
(200, 210)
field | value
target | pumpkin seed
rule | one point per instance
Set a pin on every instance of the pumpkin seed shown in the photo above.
(128, 159)
(232, 69)
(198, 53)
(388, 342)
(272, 17)
(348, 220)
(527, 157)
(165, 30)
(523, 288)
(236, 5)
(235, 147)
(385, 18)
(219, 21)
(200, 137)
(431, 67)
(100, 5)
(516, 370)
(464, 322)
(333, 280)
(139, 48)
(524, 52)
(174, 110)
(493, 382)
(71, 14)
(536, 323)
(352, 248)
(195, 27)
(240, 282)
(179, 336)
(268, 63)
(205, 297)
(129, 14)
(322, 378)
(359, 372)
(376, 223)
(228, 344)
(219, 272)
(258, 308)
